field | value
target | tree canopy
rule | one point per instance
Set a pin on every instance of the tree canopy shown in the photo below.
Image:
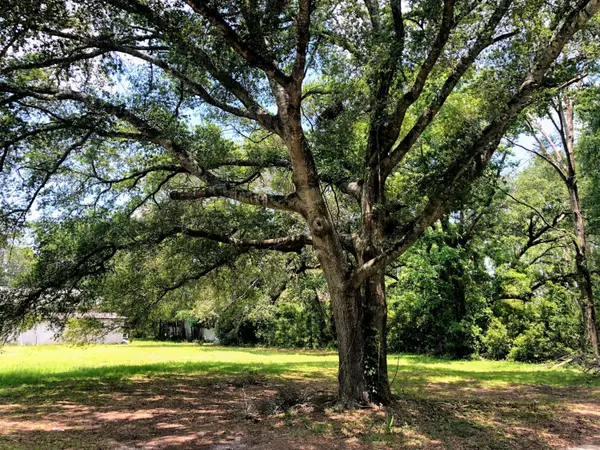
(189, 133)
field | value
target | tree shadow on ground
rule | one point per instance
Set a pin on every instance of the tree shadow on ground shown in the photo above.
(16, 381)
(223, 411)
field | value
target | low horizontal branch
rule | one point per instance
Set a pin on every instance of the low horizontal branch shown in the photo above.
(280, 202)
(137, 175)
(145, 128)
(251, 162)
(294, 243)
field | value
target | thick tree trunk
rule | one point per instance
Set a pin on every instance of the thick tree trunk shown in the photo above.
(345, 300)
(374, 326)
(360, 326)
(362, 357)
(347, 311)
(352, 386)
(361, 331)
(374, 303)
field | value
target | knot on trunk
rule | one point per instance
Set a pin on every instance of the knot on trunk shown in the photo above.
(320, 226)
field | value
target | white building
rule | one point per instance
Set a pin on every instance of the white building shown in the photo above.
(209, 335)
(44, 333)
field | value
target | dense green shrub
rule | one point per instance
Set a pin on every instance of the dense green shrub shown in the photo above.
(292, 323)
(496, 341)
(298, 325)
(532, 345)
(437, 306)
(541, 329)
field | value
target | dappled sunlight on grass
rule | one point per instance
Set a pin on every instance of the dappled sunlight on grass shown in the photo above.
(37, 365)
(32, 365)
(416, 370)
(165, 395)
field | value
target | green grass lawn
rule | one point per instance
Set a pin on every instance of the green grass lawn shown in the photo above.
(169, 395)
(30, 365)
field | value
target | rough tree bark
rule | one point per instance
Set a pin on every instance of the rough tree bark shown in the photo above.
(371, 243)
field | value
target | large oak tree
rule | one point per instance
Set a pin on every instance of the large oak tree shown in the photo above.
(391, 108)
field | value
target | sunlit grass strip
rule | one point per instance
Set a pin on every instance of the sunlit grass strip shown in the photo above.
(24, 365)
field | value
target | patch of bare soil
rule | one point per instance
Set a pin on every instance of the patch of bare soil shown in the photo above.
(179, 412)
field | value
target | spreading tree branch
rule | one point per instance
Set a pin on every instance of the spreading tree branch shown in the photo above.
(480, 152)
(287, 244)
(251, 55)
(152, 133)
(483, 40)
(425, 70)
(282, 202)
(542, 155)
(253, 110)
